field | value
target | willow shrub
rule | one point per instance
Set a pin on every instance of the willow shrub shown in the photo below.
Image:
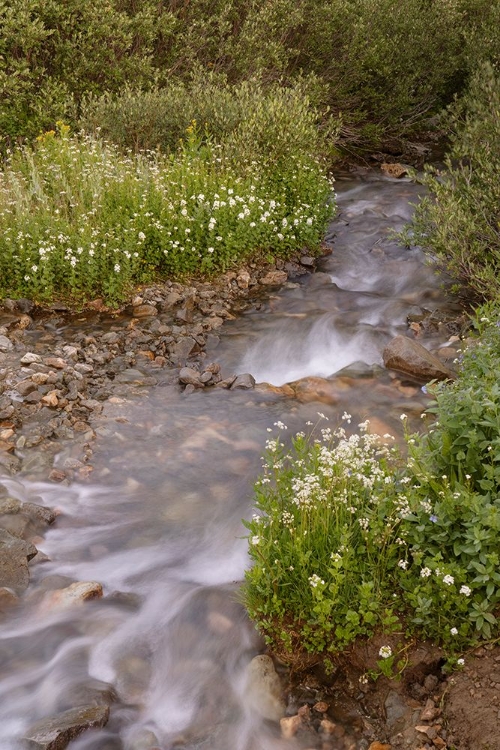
(79, 219)
(459, 222)
(352, 539)
(383, 65)
(251, 119)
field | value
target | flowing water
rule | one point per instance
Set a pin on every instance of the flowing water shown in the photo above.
(160, 527)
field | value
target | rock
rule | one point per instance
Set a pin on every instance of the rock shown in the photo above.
(243, 279)
(144, 311)
(379, 746)
(132, 376)
(321, 707)
(394, 170)
(189, 376)
(274, 278)
(290, 725)
(74, 595)
(8, 598)
(5, 344)
(51, 398)
(56, 362)
(245, 381)
(30, 358)
(316, 389)
(306, 260)
(57, 732)
(408, 356)
(327, 726)
(430, 712)
(264, 688)
(39, 512)
(180, 351)
(14, 556)
(24, 387)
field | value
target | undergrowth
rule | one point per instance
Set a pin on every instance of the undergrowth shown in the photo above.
(351, 538)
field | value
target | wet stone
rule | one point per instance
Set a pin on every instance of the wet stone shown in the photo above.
(408, 356)
(189, 376)
(264, 693)
(5, 344)
(57, 732)
(245, 381)
(14, 556)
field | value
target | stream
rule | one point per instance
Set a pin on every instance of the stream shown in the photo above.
(159, 526)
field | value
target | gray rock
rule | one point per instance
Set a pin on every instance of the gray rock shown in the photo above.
(5, 344)
(30, 358)
(244, 381)
(188, 376)
(306, 260)
(408, 356)
(57, 732)
(180, 351)
(14, 556)
(263, 689)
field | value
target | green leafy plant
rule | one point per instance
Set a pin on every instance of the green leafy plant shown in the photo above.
(80, 219)
(324, 544)
(459, 223)
(350, 539)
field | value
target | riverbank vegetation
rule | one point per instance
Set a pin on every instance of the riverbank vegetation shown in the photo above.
(82, 219)
(352, 538)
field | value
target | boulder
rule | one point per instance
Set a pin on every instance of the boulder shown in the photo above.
(245, 381)
(408, 356)
(189, 376)
(14, 556)
(264, 694)
(57, 732)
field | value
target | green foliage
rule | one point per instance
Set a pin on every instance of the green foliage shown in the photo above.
(382, 65)
(53, 51)
(350, 540)
(325, 542)
(78, 219)
(251, 120)
(459, 223)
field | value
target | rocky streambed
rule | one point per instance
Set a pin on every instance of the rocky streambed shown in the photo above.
(128, 445)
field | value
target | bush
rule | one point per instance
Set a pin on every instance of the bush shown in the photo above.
(459, 223)
(252, 120)
(351, 540)
(79, 219)
(383, 65)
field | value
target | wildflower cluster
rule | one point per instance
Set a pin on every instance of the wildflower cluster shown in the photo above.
(328, 521)
(353, 538)
(80, 219)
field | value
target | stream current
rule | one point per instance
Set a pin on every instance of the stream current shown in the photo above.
(160, 525)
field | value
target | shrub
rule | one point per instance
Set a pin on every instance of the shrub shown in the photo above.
(252, 120)
(79, 219)
(459, 223)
